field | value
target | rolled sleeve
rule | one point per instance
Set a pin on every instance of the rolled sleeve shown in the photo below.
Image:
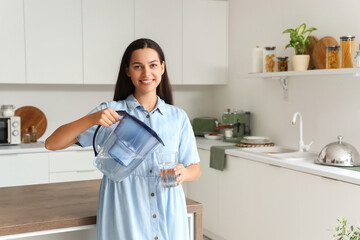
(86, 138)
(188, 153)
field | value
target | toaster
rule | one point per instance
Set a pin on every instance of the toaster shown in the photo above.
(204, 125)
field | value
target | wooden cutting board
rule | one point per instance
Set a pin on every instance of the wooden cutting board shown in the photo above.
(310, 49)
(32, 116)
(319, 51)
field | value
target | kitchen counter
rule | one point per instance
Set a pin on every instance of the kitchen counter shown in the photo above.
(306, 166)
(34, 148)
(58, 205)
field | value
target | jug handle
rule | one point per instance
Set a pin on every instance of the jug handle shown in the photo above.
(97, 129)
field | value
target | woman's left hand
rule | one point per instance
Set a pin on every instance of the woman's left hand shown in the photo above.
(181, 171)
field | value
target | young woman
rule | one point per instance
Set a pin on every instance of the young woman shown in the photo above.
(139, 207)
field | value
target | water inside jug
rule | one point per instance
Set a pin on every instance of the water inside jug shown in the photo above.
(125, 148)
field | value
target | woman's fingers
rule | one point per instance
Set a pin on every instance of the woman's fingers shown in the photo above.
(180, 171)
(107, 117)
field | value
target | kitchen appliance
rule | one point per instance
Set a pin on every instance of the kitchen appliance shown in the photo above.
(339, 154)
(10, 132)
(204, 125)
(129, 143)
(238, 121)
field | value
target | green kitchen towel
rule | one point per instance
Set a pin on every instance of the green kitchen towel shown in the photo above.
(352, 168)
(217, 156)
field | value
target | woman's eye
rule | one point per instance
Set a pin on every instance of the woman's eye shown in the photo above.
(137, 67)
(153, 65)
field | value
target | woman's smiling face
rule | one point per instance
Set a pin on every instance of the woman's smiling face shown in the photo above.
(145, 70)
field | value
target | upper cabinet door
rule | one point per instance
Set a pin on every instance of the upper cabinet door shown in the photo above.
(108, 28)
(205, 59)
(12, 47)
(161, 21)
(53, 34)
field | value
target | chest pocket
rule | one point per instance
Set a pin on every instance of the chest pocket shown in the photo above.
(170, 134)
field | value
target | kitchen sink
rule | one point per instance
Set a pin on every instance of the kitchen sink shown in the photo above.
(270, 150)
(281, 152)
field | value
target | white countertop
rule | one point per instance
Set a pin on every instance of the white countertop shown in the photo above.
(306, 166)
(34, 148)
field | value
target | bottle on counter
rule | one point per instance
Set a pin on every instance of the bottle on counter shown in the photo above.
(26, 137)
(269, 59)
(332, 57)
(33, 134)
(347, 46)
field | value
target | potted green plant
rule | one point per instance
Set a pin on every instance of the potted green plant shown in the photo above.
(345, 232)
(299, 39)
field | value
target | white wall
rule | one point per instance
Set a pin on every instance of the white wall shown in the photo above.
(64, 103)
(330, 105)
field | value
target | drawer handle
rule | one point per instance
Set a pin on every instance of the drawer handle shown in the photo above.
(85, 171)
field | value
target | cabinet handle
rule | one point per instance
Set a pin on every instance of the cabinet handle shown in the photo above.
(85, 171)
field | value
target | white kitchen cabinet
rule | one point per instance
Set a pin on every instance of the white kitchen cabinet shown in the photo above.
(87, 232)
(67, 166)
(108, 28)
(205, 42)
(23, 169)
(53, 36)
(161, 21)
(12, 47)
(206, 191)
(250, 196)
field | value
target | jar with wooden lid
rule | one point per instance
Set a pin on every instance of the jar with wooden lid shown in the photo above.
(332, 57)
(347, 46)
(269, 59)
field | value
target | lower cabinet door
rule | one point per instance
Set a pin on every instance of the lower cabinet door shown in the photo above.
(69, 166)
(23, 169)
(75, 176)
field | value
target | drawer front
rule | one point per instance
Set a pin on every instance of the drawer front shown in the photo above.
(71, 161)
(23, 169)
(75, 176)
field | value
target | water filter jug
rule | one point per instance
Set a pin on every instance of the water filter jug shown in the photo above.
(125, 147)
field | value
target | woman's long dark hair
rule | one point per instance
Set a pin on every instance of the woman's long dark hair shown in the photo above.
(124, 86)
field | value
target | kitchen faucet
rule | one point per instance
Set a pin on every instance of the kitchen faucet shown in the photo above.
(302, 146)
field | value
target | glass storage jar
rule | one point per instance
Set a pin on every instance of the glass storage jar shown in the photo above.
(347, 46)
(332, 57)
(282, 64)
(269, 59)
(7, 110)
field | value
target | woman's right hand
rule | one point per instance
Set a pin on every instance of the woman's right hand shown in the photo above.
(106, 117)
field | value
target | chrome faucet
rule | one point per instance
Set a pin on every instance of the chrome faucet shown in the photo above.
(302, 146)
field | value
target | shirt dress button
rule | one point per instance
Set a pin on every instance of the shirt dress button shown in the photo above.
(147, 116)
(154, 216)
(152, 194)
(156, 238)
(150, 170)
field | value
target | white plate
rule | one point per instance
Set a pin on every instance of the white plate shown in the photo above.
(214, 137)
(255, 139)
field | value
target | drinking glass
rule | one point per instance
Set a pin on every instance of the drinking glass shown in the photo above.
(167, 162)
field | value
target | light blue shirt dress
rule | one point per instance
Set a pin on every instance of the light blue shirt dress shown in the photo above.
(139, 207)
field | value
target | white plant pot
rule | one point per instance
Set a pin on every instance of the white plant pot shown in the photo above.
(300, 62)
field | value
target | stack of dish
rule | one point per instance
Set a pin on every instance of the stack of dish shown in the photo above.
(214, 136)
(255, 141)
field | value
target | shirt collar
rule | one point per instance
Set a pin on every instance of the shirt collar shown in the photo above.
(133, 103)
